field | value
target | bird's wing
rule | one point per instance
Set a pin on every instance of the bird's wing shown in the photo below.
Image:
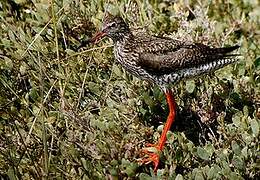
(157, 45)
(180, 57)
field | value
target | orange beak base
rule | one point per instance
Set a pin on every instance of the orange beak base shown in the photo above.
(98, 37)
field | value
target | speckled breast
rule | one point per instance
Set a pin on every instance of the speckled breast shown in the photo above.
(127, 58)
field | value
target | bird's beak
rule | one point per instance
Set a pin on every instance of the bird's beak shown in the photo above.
(98, 36)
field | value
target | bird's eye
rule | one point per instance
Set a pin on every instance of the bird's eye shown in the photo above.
(113, 24)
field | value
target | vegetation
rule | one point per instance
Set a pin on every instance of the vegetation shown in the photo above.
(73, 113)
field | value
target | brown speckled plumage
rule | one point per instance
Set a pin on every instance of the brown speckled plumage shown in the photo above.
(162, 60)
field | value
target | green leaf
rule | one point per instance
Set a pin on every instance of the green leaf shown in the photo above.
(190, 86)
(199, 176)
(234, 176)
(6, 42)
(213, 172)
(84, 163)
(244, 151)
(179, 154)
(241, 69)
(113, 172)
(179, 177)
(34, 94)
(236, 148)
(236, 118)
(210, 149)
(8, 63)
(130, 170)
(117, 71)
(114, 162)
(202, 153)
(94, 88)
(237, 162)
(148, 99)
(11, 174)
(110, 102)
(70, 52)
(144, 176)
(255, 127)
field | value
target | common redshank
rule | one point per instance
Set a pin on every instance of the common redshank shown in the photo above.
(162, 61)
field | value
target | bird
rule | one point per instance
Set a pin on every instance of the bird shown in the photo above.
(162, 61)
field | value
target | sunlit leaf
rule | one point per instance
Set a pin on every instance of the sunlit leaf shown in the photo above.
(202, 153)
(190, 86)
(255, 127)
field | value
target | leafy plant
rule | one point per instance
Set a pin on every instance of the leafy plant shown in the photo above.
(68, 111)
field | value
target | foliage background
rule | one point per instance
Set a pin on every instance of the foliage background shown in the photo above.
(72, 113)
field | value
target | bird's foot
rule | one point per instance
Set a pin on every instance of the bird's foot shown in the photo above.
(151, 155)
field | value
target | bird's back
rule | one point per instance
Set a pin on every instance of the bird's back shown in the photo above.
(154, 58)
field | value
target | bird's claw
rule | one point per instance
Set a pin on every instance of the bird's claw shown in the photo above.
(151, 155)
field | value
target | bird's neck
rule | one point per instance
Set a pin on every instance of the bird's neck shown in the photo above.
(121, 37)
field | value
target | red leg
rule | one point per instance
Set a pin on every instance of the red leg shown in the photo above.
(154, 156)
(170, 119)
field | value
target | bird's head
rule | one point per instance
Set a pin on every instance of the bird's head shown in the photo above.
(113, 26)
